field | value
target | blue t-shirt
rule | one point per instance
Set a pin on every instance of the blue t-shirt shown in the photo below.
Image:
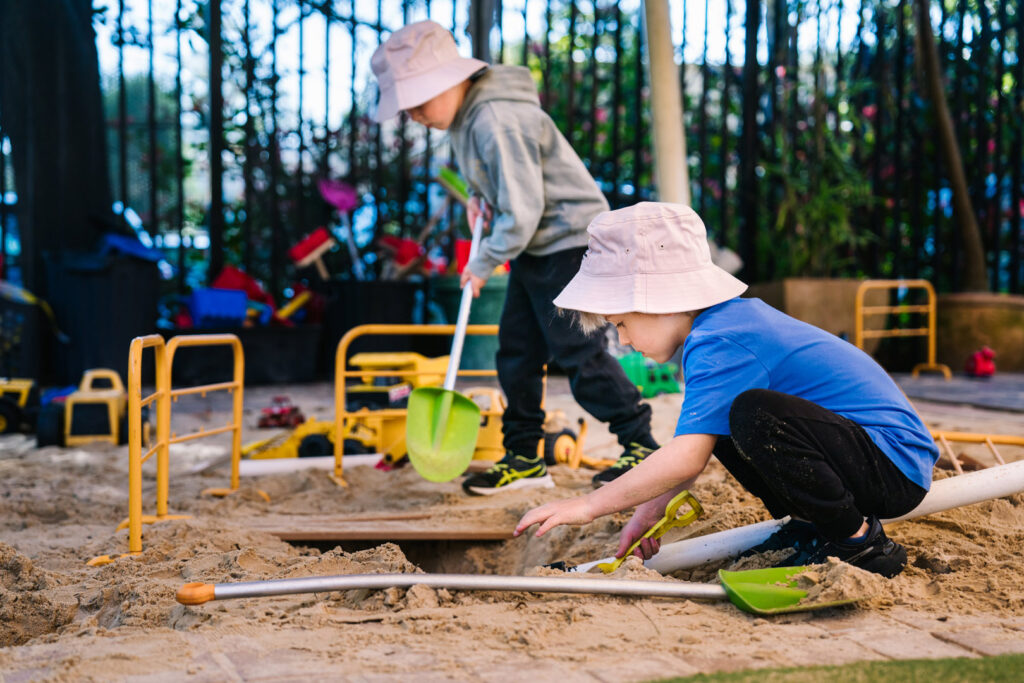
(746, 344)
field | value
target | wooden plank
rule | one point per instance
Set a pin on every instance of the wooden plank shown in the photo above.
(414, 527)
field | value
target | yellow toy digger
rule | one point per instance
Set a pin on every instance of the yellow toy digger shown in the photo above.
(374, 418)
(18, 409)
(97, 411)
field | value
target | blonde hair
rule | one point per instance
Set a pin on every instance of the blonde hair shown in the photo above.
(586, 322)
(590, 322)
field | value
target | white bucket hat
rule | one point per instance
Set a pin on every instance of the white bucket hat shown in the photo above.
(415, 64)
(648, 258)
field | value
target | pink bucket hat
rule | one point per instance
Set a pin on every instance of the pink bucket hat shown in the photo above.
(648, 258)
(417, 63)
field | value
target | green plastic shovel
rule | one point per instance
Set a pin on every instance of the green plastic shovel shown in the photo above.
(442, 425)
(771, 591)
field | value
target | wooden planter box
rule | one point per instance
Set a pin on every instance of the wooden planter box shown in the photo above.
(827, 303)
(968, 321)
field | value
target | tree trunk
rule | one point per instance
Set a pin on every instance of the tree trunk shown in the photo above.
(51, 109)
(975, 279)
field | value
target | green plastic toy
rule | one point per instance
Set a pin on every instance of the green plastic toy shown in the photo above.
(649, 377)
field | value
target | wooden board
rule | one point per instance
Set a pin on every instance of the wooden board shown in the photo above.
(398, 527)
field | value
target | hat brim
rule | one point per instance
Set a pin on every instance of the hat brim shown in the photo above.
(413, 91)
(691, 290)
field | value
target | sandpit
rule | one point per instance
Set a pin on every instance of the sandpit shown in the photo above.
(61, 620)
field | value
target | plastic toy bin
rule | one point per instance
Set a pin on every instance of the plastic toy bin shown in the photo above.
(218, 307)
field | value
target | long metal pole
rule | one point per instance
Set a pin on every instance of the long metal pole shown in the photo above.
(199, 593)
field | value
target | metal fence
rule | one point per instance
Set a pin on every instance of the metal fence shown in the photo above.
(810, 139)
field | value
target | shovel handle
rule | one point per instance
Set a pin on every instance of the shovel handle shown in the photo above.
(196, 593)
(464, 304)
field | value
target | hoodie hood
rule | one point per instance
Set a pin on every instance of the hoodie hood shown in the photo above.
(498, 83)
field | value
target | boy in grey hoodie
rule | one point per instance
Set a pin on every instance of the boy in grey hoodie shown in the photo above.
(539, 200)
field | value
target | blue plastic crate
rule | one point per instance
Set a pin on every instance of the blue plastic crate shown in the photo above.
(218, 307)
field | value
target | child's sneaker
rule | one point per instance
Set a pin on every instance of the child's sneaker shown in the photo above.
(796, 535)
(632, 457)
(877, 553)
(511, 472)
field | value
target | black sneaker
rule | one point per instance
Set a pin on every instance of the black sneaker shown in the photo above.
(511, 472)
(632, 457)
(877, 553)
(795, 534)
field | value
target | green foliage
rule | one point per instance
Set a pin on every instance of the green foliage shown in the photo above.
(824, 197)
(814, 234)
(595, 109)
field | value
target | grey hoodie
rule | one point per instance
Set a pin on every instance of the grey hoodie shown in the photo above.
(516, 160)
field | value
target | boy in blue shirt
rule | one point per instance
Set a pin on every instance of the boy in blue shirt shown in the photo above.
(806, 422)
(513, 157)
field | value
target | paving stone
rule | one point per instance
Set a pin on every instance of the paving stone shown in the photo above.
(531, 671)
(906, 643)
(990, 641)
(1003, 391)
(419, 677)
(854, 620)
(931, 621)
(27, 675)
(639, 668)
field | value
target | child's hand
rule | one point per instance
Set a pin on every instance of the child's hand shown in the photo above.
(478, 282)
(646, 516)
(473, 210)
(568, 511)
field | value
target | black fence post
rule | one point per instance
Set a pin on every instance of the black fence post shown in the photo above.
(749, 147)
(216, 215)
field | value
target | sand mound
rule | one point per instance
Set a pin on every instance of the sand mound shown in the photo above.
(837, 581)
(26, 609)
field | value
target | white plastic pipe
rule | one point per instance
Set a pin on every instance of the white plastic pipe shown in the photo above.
(946, 494)
(263, 467)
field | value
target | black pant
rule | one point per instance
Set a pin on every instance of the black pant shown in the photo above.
(806, 461)
(533, 333)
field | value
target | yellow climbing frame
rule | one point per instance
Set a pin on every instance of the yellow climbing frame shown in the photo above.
(161, 398)
(861, 312)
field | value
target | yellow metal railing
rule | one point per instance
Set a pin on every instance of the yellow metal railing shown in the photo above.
(943, 438)
(861, 312)
(162, 398)
(344, 420)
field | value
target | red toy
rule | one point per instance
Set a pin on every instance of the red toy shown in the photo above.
(980, 363)
(281, 413)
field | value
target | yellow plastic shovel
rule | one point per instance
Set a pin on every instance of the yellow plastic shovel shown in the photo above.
(442, 425)
(671, 518)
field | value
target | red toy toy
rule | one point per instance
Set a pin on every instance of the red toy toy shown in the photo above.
(980, 363)
(281, 413)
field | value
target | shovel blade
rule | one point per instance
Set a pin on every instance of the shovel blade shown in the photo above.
(441, 430)
(770, 591)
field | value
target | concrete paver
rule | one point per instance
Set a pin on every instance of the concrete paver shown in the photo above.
(990, 641)
(906, 643)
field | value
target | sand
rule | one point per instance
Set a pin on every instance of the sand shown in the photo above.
(62, 620)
